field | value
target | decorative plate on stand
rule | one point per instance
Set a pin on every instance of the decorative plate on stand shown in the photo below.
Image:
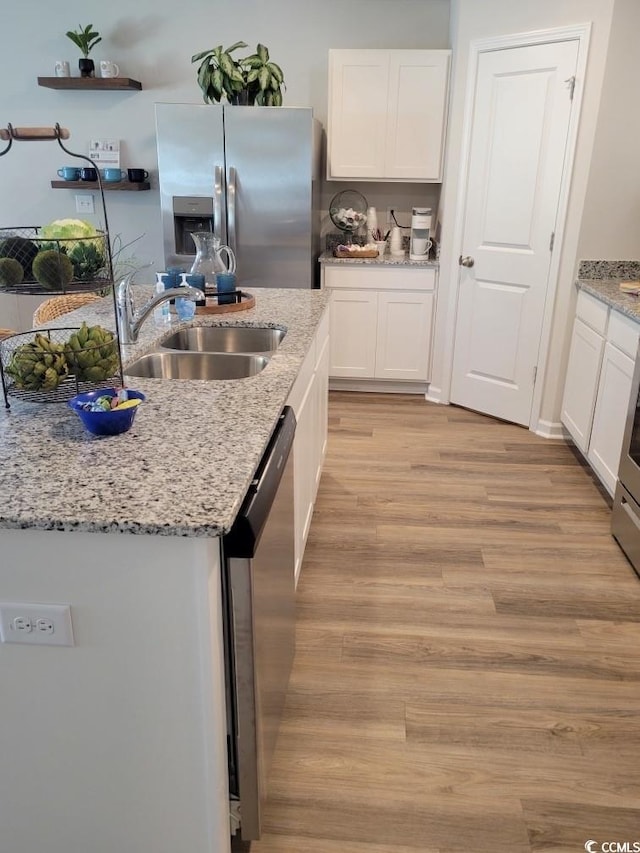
(348, 212)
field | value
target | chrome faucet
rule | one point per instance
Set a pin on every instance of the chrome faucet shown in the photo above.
(130, 321)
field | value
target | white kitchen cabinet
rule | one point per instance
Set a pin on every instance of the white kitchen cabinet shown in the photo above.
(308, 399)
(354, 319)
(581, 384)
(598, 384)
(381, 319)
(387, 114)
(403, 334)
(610, 413)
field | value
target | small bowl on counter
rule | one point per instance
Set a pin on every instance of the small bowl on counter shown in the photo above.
(91, 408)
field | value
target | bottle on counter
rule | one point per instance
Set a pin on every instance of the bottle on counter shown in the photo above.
(161, 315)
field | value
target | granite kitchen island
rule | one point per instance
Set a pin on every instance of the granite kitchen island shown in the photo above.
(119, 742)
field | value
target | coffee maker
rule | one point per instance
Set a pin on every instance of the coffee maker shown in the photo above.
(419, 243)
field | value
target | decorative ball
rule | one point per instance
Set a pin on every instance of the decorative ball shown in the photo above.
(52, 269)
(11, 272)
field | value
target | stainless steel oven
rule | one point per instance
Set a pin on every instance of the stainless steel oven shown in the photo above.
(625, 519)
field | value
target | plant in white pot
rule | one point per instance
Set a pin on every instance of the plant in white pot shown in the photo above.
(86, 38)
(253, 79)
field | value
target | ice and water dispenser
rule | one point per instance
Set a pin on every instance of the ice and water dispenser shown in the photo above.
(190, 215)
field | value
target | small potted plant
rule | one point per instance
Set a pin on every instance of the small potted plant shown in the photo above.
(86, 39)
(249, 80)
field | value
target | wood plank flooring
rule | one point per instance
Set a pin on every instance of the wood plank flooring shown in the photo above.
(467, 676)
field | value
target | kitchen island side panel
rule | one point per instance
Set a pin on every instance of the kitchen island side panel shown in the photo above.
(117, 743)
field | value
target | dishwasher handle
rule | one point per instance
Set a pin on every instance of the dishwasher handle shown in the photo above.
(242, 540)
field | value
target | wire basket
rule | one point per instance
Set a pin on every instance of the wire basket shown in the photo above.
(32, 264)
(53, 365)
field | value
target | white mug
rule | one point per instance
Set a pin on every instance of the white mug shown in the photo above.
(108, 68)
(62, 68)
(420, 246)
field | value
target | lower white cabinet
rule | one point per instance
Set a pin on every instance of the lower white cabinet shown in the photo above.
(604, 343)
(610, 415)
(308, 398)
(581, 384)
(381, 321)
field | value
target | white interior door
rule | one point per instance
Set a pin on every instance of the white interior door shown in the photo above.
(519, 134)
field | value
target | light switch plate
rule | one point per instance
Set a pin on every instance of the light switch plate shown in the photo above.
(36, 624)
(85, 203)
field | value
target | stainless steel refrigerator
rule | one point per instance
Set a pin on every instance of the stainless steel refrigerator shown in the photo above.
(251, 175)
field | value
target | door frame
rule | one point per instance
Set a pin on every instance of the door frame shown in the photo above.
(581, 32)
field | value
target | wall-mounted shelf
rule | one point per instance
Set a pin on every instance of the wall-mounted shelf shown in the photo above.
(129, 186)
(93, 83)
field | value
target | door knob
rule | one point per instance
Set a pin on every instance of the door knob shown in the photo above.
(466, 261)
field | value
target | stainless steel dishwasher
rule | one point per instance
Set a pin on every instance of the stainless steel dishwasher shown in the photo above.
(259, 624)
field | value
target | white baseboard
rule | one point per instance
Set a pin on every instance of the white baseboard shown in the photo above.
(378, 386)
(434, 395)
(550, 429)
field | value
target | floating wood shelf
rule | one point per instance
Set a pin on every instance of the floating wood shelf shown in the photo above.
(129, 186)
(92, 83)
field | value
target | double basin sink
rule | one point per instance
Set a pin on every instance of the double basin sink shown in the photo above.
(209, 352)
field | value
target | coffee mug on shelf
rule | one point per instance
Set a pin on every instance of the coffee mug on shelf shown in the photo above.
(110, 174)
(69, 173)
(108, 68)
(88, 174)
(137, 176)
(62, 68)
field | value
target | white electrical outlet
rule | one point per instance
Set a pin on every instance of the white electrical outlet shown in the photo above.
(85, 203)
(36, 624)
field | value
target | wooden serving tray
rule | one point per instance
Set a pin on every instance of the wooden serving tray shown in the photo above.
(247, 300)
(370, 253)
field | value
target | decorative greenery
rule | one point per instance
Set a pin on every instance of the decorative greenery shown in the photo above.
(220, 75)
(86, 39)
(125, 264)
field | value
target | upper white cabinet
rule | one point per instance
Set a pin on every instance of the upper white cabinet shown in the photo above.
(387, 114)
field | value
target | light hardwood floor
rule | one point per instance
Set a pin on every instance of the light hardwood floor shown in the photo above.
(467, 676)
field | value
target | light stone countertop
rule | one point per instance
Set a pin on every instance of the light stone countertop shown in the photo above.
(602, 280)
(608, 290)
(186, 464)
(386, 260)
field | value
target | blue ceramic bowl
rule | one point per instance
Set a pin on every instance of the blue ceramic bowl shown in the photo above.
(105, 423)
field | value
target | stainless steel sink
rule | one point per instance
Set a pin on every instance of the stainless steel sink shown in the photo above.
(196, 365)
(236, 339)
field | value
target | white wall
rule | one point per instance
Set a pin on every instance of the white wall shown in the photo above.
(471, 20)
(611, 221)
(153, 41)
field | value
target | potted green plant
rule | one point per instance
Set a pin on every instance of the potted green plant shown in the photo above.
(86, 39)
(253, 79)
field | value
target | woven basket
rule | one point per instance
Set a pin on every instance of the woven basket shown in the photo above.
(55, 307)
(6, 333)
(53, 266)
(363, 253)
(74, 383)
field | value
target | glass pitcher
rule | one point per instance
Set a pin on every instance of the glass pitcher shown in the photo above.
(209, 259)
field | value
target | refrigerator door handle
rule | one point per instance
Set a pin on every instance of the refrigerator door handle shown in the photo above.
(218, 203)
(232, 193)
